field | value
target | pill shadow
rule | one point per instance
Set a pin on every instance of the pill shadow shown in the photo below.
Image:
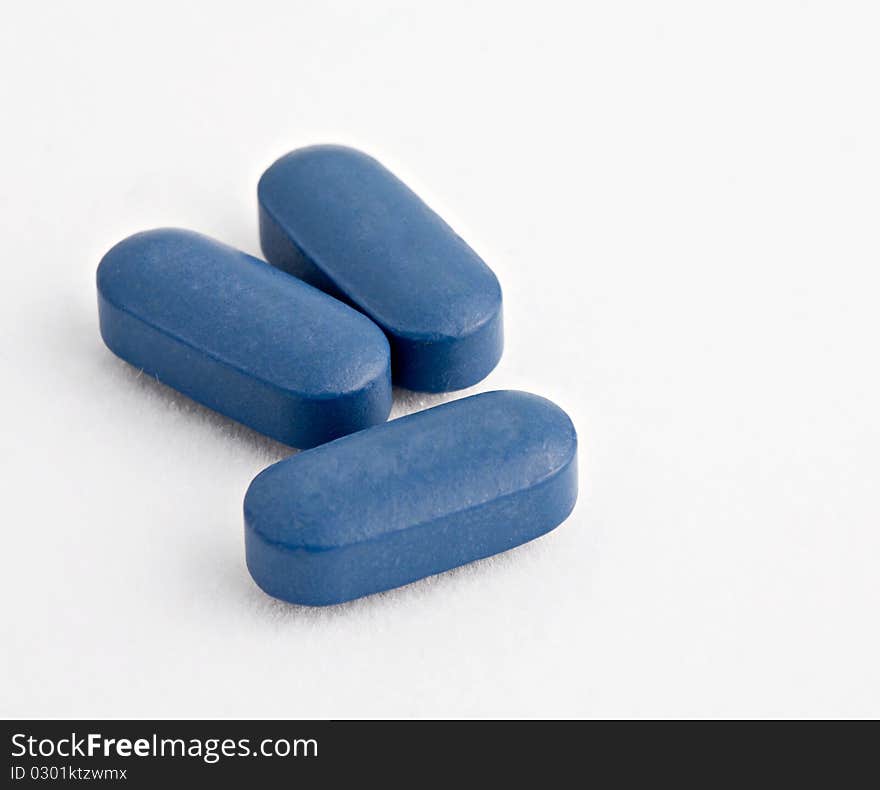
(409, 402)
(272, 610)
(169, 398)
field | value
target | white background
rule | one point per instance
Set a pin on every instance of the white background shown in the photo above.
(681, 202)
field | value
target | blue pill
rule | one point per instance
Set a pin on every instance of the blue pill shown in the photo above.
(242, 337)
(410, 498)
(339, 220)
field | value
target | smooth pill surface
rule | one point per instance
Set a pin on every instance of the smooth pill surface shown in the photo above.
(339, 220)
(410, 498)
(242, 337)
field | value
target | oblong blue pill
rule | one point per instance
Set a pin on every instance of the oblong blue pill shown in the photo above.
(410, 498)
(241, 337)
(338, 219)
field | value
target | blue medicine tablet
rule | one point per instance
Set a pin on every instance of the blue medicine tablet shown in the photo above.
(242, 337)
(338, 219)
(410, 498)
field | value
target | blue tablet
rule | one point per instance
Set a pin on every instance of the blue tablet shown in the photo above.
(339, 220)
(410, 498)
(242, 337)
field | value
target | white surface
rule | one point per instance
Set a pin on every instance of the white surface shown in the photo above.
(681, 202)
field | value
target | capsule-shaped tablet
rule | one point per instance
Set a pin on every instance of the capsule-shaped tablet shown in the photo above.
(339, 220)
(410, 498)
(242, 337)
